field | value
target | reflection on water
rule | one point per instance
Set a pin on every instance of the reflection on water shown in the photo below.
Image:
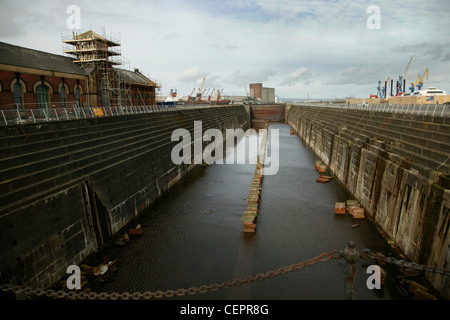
(193, 235)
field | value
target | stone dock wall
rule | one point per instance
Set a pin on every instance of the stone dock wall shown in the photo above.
(397, 167)
(67, 187)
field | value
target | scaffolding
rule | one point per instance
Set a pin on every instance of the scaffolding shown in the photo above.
(90, 50)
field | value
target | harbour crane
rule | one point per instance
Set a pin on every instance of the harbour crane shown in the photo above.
(211, 93)
(219, 94)
(404, 76)
(413, 84)
(379, 94)
(200, 91)
(386, 87)
(190, 96)
(420, 84)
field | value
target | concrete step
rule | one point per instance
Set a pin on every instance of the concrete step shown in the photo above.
(438, 132)
(429, 158)
(28, 184)
(406, 145)
(33, 130)
(71, 142)
(39, 135)
(66, 153)
(437, 142)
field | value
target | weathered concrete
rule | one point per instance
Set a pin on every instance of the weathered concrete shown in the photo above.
(68, 187)
(389, 163)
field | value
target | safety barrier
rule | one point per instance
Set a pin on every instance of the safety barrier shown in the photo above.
(435, 110)
(20, 115)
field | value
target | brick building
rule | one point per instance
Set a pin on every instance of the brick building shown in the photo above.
(262, 94)
(32, 79)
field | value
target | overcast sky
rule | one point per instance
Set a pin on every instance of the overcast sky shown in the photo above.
(320, 49)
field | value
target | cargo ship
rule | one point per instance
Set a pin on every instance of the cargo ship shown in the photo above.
(215, 98)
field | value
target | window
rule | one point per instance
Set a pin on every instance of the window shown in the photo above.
(18, 94)
(42, 96)
(63, 94)
(77, 92)
(18, 88)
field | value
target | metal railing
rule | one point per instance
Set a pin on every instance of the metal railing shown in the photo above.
(435, 110)
(20, 115)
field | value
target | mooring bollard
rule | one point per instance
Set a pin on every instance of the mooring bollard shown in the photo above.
(351, 257)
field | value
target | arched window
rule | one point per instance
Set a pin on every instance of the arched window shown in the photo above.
(18, 89)
(63, 92)
(43, 91)
(77, 92)
(42, 96)
(18, 94)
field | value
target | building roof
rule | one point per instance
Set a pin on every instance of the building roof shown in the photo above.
(134, 77)
(30, 58)
(89, 36)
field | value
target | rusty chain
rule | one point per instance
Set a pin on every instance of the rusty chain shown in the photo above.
(73, 295)
(79, 295)
(402, 263)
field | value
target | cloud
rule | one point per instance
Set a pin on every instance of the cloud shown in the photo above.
(10, 26)
(432, 50)
(285, 43)
(300, 75)
(243, 78)
(357, 76)
(191, 75)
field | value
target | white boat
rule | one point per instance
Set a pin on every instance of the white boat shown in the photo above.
(431, 91)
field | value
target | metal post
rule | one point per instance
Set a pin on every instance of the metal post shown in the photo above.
(435, 106)
(4, 118)
(443, 108)
(351, 256)
(82, 109)
(18, 114)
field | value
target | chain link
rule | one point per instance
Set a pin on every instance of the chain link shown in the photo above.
(405, 264)
(73, 295)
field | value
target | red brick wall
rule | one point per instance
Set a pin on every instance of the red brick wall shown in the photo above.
(257, 88)
(29, 97)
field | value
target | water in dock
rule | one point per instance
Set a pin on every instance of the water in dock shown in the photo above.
(193, 235)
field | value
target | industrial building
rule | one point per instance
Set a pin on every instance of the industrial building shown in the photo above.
(262, 94)
(87, 76)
